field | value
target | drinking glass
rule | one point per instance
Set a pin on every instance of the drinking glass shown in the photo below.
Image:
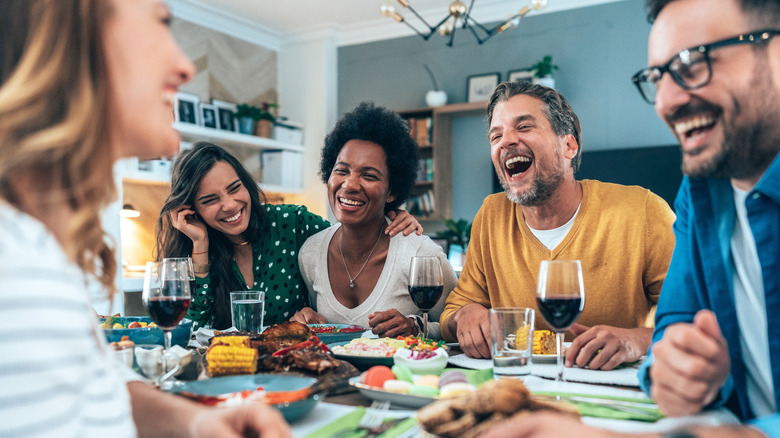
(560, 296)
(426, 285)
(167, 296)
(246, 309)
(511, 340)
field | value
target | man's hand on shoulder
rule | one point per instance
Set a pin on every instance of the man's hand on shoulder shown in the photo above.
(604, 347)
(690, 365)
(471, 326)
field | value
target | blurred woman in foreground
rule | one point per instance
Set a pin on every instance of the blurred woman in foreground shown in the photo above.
(82, 84)
(356, 274)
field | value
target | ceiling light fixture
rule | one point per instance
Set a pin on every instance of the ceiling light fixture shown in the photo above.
(459, 15)
(128, 211)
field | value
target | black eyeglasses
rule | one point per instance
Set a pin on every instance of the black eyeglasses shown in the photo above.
(691, 68)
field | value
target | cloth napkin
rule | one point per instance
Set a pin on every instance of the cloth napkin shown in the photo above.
(350, 422)
(643, 408)
(624, 377)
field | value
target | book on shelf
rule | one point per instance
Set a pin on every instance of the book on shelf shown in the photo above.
(425, 170)
(421, 130)
(422, 204)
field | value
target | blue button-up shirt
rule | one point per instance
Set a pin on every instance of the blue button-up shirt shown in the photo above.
(700, 275)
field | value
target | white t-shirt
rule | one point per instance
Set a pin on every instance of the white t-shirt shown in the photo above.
(552, 238)
(751, 312)
(391, 290)
(56, 374)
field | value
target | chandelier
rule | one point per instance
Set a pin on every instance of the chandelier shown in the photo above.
(459, 15)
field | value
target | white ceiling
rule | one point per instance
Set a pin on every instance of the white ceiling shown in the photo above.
(273, 23)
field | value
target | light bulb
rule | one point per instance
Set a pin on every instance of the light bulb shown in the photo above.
(457, 8)
(446, 29)
(387, 8)
(538, 4)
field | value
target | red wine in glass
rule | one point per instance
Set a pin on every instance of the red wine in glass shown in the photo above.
(167, 311)
(426, 284)
(425, 297)
(559, 312)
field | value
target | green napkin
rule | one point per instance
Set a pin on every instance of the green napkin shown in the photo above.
(350, 422)
(595, 409)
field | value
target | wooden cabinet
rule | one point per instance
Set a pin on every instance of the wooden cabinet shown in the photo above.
(431, 198)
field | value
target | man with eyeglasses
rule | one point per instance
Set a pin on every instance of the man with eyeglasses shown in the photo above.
(721, 297)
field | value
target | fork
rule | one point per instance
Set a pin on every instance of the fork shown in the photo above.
(372, 419)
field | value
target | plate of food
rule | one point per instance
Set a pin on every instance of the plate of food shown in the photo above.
(544, 349)
(367, 352)
(292, 395)
(330, 333)
(142, 330)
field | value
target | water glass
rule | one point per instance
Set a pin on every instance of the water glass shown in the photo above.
(511, 340)
(247, 309)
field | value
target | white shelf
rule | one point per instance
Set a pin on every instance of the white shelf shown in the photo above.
(190, 132)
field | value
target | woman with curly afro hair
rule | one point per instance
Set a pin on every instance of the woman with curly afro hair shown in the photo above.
(355, 273)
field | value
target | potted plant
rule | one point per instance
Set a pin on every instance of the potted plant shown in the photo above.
(458, 233)
(265, 119)
(543, 71)
(247, 116)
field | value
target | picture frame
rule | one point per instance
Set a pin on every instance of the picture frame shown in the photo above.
(226, 115)
(186, 108)
(480, 87)
(525, 74)
(208, 115)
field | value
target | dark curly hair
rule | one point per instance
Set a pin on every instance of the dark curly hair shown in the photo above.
(379, 125)
(560, 115)
(763, 13)
(188, 171)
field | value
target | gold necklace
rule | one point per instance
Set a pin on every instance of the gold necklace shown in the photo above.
(242, 243)
(351, 278)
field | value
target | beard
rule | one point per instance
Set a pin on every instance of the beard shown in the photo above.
(751, 135)
(543, 186)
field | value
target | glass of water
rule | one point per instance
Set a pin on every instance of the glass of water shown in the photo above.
(511, 339)
(247, 308)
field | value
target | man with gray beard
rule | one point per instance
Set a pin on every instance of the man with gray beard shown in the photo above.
(622, 235)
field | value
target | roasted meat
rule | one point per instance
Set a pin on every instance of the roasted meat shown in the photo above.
(287, 333)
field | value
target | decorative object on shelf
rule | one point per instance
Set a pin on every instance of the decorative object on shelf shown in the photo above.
(459, 15)
(287, 131)
(208, 115)
(128, 211)
(226, 115)
(434, 97)
(543, 71)
(266, 119)
(520, 75)
(247, 116)
(186, 108)
(480, 87)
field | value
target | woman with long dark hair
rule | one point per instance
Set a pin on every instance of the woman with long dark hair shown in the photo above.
(217, 214)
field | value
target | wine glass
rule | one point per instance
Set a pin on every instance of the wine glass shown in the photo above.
(560, 296)
(167, 296)
(426, 285)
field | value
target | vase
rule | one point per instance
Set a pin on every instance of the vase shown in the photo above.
(436, 98)
(264, 128)
(547, 81)
(246, 125)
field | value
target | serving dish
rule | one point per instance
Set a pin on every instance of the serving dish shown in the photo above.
(147, 335)
(361, 362)
(548, 358)
(411, 401)
(217, 386)
(347, 332)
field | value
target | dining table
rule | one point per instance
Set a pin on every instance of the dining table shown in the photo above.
(621, 384)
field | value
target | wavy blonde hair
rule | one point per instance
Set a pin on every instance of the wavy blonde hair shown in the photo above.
(54, 119)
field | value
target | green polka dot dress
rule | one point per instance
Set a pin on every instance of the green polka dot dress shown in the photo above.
(275, 266)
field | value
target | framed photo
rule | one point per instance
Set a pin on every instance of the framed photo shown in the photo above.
(186, 108)
(480, 87)
(226, 115)
(208, 115)
(520, 75)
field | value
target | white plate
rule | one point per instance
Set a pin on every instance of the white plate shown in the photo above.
(407, 400)
(549, 358)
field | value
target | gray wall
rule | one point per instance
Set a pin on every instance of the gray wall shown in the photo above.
(597, 49)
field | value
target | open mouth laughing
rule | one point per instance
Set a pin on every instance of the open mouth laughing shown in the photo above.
(517, 165)
(350, 203)
(233, 219)
(690, 129)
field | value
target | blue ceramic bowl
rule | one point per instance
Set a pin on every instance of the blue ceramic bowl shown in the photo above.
(270, 382)
(148, 335)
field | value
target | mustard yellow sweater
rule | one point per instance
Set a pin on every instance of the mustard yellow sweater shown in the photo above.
(623, 236)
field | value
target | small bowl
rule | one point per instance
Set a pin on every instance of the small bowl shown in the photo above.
(148, 335)
(124, 356)
(431, 365)
(147, 356)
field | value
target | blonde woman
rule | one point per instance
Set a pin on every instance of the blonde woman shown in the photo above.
(82, 84)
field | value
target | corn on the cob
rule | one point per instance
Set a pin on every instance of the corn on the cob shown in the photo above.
(232, 341)
(544, 342)
(226, 360)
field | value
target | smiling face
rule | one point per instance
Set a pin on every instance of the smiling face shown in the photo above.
(530, 160)
(728, 128)
(359, 186)
(145, 68)
(222, 201)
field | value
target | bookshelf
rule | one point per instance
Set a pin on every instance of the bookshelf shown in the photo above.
(431, 197)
